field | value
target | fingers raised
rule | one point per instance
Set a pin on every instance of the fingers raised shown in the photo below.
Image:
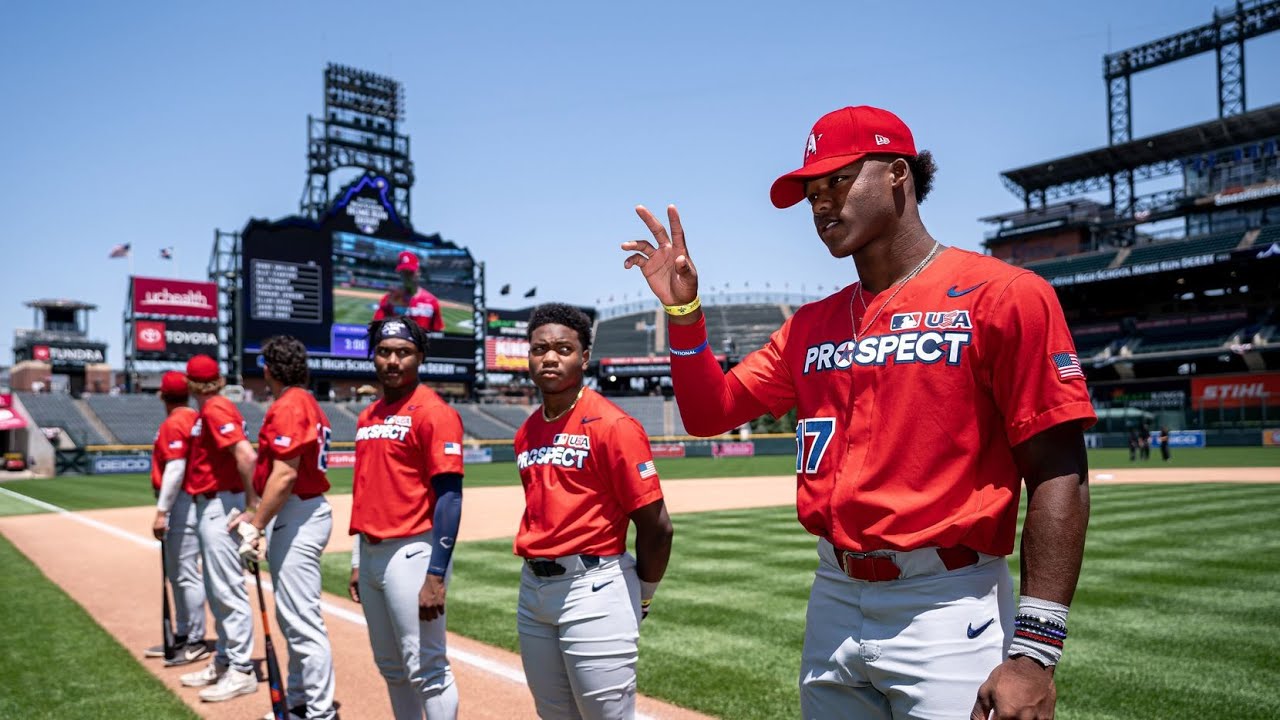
(677, 230)
(655, 227)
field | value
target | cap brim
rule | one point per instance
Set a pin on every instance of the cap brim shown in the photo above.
(789, 189)
(402, 268)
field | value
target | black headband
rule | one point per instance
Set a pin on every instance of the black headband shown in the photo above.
(398, 329)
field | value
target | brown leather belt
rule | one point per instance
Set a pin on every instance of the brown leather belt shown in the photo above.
(878, 568)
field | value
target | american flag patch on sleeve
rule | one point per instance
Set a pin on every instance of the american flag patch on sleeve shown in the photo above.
(452, 448)
(1068, 366)
(283, 441)
(647, 469)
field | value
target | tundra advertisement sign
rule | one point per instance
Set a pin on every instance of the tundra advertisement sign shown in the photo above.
(174, 339)
(157, 296)
(65, 356)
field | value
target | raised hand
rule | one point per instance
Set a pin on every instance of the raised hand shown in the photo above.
(666, 267)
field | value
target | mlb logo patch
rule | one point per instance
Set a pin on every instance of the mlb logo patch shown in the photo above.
(1067, 365)
(283, 441)
(452, 448)
(905, 321)
(647, 469)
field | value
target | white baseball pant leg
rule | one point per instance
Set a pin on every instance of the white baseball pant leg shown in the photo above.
(224, 581)
(579, 635)
(295, 541)
(916, 647)
(182, 564)
(410, 653)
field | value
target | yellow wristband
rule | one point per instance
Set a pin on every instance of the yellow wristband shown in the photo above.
(678, 310)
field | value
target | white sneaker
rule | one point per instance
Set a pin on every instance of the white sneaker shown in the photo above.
(232, 684)
(200, 678)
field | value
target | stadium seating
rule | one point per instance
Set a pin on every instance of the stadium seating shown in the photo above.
(1187, 333)
(59, 410)
(341, 424)
(513, 415)
(1267, 235)
(480, 426)
(1090, 262)
(1218, 242)
(253, 415)
(748, 325)
(133, 419)
(648, 410)
(624, 336)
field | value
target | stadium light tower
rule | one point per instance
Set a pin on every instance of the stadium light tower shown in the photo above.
(359, 129)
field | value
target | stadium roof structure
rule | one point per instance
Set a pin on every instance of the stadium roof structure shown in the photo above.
(1146, 157)
(61, 303)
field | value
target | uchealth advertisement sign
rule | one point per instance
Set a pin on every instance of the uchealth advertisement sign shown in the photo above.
(1235, 391)
(341, 458)
(733, 449)
(175, 339)
(158, 296)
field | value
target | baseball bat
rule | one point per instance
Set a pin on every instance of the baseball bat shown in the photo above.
(170, 645)
(279, 708)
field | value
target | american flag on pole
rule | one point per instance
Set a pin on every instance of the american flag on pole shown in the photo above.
(1068, 366)
(119, 251)
(647, 469)
(166, 253)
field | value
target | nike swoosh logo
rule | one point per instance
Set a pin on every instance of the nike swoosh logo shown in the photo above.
(586, 420)
(596, 586)
(277, 527)
(953, 292)
(975, 633)
(413, 553)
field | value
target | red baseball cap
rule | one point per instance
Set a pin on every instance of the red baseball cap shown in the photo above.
(408, 261)
(841, 138)
(173, 383)
(202, 368)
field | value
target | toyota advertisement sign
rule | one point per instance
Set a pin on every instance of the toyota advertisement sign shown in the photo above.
(174, 339)
(183, 298)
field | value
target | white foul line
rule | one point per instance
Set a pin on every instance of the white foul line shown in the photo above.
(492, 667)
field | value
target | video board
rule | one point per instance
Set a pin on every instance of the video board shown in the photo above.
(325, 282)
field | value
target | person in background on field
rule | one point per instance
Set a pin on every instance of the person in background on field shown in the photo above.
(176, 522)
(1144, 441)
(1133, 444)
(1164, 442)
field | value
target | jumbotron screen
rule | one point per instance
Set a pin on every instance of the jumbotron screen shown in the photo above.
(324, 286)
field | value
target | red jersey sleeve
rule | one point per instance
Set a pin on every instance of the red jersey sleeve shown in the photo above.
(289, 432)
(1035, 375)
(631, 471)
(171, 443)
(224, 423)
(766, 375)
(710, 402)
(440, 435)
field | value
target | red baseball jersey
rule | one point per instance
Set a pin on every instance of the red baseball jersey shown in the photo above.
(400, 446)
(294, 427)
(583, 476)
(904, 436)
(423, 307)
(172, 441)
(210, 463)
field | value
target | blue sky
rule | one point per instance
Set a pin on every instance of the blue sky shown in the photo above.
(537, 127)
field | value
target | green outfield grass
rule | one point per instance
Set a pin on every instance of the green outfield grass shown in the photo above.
(1175, 616)
(78, 492)
(56, 662)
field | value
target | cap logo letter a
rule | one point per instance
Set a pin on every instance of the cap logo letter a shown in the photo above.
(811, 147)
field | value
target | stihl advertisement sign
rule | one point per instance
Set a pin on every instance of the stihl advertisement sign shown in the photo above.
(174, 339)
(156, 296)
(1234, 391)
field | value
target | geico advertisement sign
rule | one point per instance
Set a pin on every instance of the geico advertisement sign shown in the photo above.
(116, 464)
(1183, 438)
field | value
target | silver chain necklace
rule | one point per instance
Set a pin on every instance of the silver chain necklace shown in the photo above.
(900, 284)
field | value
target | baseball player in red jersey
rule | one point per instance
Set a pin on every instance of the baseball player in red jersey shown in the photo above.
(290, 479)
(411, 300)
(406, 505)
(219, 477)
(587, 469)
(924, 393)
(175, 521)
